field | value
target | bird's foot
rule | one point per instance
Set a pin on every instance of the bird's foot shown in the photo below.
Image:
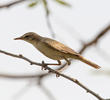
(43, 66)
(57, 75)
(69, 63)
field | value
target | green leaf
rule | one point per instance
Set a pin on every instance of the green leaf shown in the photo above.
(33, 4)
(62, 2)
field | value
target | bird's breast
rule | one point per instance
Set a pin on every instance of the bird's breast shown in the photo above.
(49, 51)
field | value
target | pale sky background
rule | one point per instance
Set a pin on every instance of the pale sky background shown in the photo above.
(72, 25)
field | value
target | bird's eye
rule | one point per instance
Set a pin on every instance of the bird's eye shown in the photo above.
(26, 36)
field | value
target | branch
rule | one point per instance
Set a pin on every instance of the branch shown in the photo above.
(91, 43)
(13, 76)
(10, 4)
(41, 76)
(50, 26)
(53, 71)
(47, 10)
(47, 92)
(45, 3)
(95, 40)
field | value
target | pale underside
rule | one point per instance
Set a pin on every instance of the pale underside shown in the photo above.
(55, 50)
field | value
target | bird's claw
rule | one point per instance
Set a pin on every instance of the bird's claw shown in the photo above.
(43, 66)
(57, 75)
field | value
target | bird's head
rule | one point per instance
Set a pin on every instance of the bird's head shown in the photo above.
(29, 37)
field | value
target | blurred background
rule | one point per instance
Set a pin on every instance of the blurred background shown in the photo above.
(72, 22)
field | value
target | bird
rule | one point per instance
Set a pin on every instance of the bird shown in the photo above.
(54, 49)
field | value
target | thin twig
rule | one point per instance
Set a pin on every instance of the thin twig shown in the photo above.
(91, 43)
(47, 10)
(55, 72)
(10, 4)
(27, 76)
(47, 92)
(95, 40)
(50, 26)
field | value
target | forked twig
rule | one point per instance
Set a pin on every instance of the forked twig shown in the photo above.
(55, 72)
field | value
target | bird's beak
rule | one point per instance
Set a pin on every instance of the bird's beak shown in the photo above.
(19, 38)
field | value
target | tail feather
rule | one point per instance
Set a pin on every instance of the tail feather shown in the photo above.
(89, 62)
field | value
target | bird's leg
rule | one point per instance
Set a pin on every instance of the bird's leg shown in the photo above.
(59, 63)
(45, 64)
(68, 62)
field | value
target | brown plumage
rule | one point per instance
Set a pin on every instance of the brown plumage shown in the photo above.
(54, 49)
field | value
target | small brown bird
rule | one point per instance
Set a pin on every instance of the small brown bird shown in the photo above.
(54, 49)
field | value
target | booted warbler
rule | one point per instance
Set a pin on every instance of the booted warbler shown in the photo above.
(54, 49)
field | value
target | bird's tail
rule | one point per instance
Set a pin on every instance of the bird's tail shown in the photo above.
(88, 62)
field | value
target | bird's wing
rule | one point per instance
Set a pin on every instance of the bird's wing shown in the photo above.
(59, 46)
